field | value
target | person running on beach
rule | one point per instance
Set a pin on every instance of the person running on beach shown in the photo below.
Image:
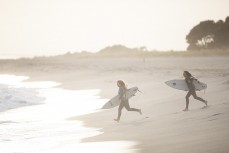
(124, 100)
(192, 91)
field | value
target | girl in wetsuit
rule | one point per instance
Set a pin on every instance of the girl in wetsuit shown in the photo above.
(124, 100)
(192, 91)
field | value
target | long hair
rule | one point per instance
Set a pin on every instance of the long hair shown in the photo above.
(122, 84)
(188, 74)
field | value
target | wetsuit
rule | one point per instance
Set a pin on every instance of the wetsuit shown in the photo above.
(192, 91)
(124, 102)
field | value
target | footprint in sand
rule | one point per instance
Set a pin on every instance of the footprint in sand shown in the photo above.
(205, 107)
(214, 115)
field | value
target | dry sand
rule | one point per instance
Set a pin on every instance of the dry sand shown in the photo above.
(163, 127)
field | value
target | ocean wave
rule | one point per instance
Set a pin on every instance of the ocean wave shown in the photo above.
(12, 97)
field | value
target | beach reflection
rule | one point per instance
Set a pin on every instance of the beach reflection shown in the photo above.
(44, 129)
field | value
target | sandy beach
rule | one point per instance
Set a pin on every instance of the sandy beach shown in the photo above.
(163, 127)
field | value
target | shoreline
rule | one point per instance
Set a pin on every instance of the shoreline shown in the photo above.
(47, 115)
(167, 127)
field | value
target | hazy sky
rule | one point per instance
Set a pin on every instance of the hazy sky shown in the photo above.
(36, 27)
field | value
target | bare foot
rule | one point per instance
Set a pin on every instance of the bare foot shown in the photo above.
(206, 102)
(186, 109)
(117, 120)
(140, 111)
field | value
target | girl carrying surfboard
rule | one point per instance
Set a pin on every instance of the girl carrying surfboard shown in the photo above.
(192, 91)
(124, 100)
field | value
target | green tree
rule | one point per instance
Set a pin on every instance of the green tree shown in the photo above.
(209, 35)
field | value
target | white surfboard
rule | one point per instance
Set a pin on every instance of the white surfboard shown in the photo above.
(115, 101)
(182, 85)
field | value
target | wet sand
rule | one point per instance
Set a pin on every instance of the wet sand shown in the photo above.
(163, 127)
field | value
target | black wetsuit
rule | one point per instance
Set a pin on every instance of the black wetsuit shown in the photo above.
(124, 102)
(192, 91)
